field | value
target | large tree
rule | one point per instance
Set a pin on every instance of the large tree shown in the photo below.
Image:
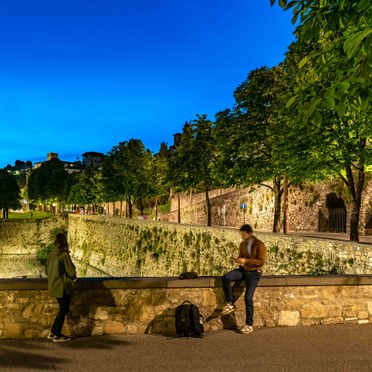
(159, 175)
(46, 184)
(193, 161)
(88, 190)
(330, 98)
(10, 193)
(248, 135)
(127, 173)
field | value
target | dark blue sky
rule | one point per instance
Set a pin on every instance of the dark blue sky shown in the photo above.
(83, 75)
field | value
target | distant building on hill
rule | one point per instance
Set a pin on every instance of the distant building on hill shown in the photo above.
(177, 140)
(93, 159)
(70, 166)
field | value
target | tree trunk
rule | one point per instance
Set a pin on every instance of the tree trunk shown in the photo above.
(114, 211)
(354, 222)
(209, 208)
(277, 204)
(285, 205)
(355, 186)
(156, 208)
(121, 208)
(179, 207)
(130, 207)
(141, 206)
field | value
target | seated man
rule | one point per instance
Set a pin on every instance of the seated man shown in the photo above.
(252, 254)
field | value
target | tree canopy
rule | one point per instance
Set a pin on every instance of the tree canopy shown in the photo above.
(10, 194)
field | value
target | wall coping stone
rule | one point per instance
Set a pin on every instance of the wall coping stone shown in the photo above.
(201, 282)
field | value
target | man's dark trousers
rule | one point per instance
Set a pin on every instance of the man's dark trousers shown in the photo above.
(251, 279)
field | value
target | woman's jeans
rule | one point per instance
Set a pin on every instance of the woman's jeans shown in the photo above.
(251, 279)
(64, 307)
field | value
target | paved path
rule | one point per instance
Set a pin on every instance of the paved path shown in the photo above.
(364, 239)
(332, 236)
(323, 348)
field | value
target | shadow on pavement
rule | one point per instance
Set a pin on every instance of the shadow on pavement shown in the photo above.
(10, 358)
(96, 342)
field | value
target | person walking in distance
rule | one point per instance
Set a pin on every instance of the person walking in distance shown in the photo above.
(252, 255)
(61, 276)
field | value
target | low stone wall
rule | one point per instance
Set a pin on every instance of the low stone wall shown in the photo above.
(147, 305)
(21, 265)
(122, 247)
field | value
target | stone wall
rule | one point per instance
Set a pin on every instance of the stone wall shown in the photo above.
(226, 208)
(306, 202)
(109, 306)
(191, 198)
(19, 242)
(121, 247)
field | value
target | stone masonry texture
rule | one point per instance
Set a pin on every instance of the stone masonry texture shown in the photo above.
(102, 307)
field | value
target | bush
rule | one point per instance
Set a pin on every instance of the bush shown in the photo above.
(42, 254)
(165, 208)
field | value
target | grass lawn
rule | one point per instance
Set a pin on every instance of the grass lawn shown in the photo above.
(35, 215)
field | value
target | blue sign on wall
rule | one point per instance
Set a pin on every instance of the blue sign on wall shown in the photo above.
(243, 206)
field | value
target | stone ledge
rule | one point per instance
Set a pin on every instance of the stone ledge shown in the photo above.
(201, 282)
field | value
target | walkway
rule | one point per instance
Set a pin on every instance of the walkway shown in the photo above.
(333, 236)
(364, 239)
(301, 349)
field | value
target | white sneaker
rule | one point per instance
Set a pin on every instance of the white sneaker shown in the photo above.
(246, 329)
(62, 338)
(50, 336)
(228, 309)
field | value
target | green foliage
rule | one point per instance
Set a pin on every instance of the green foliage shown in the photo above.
(127, 173)
(193, 162)
(87, 189)
(42, 254)
(47, 183)
(35, 215)
(10, 193)
(329, 94)
(165, 208)
(248, 136)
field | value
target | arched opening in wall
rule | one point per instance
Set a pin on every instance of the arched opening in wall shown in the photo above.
(337, 213)
(368, 227)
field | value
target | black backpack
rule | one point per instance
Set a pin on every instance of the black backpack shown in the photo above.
(188, 321)
(188, 275)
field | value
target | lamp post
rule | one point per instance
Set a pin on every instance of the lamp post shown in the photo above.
(243, 207)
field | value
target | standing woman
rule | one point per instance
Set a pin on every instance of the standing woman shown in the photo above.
(61, 274)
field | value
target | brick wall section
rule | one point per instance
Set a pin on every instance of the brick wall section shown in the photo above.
(109, 306)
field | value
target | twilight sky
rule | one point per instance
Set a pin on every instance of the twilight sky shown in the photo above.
(83, 75)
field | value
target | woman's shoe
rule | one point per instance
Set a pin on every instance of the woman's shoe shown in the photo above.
(50, 336)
